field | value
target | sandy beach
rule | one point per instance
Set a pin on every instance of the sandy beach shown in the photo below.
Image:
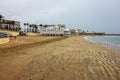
(57, 58)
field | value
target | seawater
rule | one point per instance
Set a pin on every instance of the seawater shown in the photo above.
(111, 41)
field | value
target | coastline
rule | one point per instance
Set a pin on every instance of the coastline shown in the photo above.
(106, 44)
(67, 59)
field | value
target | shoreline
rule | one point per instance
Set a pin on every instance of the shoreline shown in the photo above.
(67, 59)
(106, 44)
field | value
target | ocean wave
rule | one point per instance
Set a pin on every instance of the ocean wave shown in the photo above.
(115, 44)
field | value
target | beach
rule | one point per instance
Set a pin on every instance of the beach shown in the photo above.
(57, 58)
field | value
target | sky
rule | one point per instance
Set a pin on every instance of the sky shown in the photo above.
(91, 15)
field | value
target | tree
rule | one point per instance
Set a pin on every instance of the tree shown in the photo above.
(26, 26)
(35, 27)
(45, 26)
(40, 25)
(30, 26)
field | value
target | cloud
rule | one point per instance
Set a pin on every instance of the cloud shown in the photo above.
(87, 14)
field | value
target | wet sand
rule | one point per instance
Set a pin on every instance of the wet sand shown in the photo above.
(59, 59)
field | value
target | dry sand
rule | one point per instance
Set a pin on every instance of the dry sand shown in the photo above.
(60, 59)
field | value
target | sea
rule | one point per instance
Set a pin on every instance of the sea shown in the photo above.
(110, 41)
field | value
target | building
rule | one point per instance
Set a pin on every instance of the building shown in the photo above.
(54, 30)
(76, 32)
(80, 31)
(9, 24)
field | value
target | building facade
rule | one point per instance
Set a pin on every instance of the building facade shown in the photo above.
(54, 30)
(9, 24)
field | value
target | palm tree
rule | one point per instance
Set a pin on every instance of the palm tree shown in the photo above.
(1, 17)
(35, 28)
(30, 25)
(40, 25)
(26, 26)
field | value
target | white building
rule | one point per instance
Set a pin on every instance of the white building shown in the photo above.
(54, 30)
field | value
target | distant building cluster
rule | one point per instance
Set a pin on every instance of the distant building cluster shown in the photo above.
(82, 32)
(48, 30)
(78, 31)
(43, 29)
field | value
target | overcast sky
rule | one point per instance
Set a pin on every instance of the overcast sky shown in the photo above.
(92, 15)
